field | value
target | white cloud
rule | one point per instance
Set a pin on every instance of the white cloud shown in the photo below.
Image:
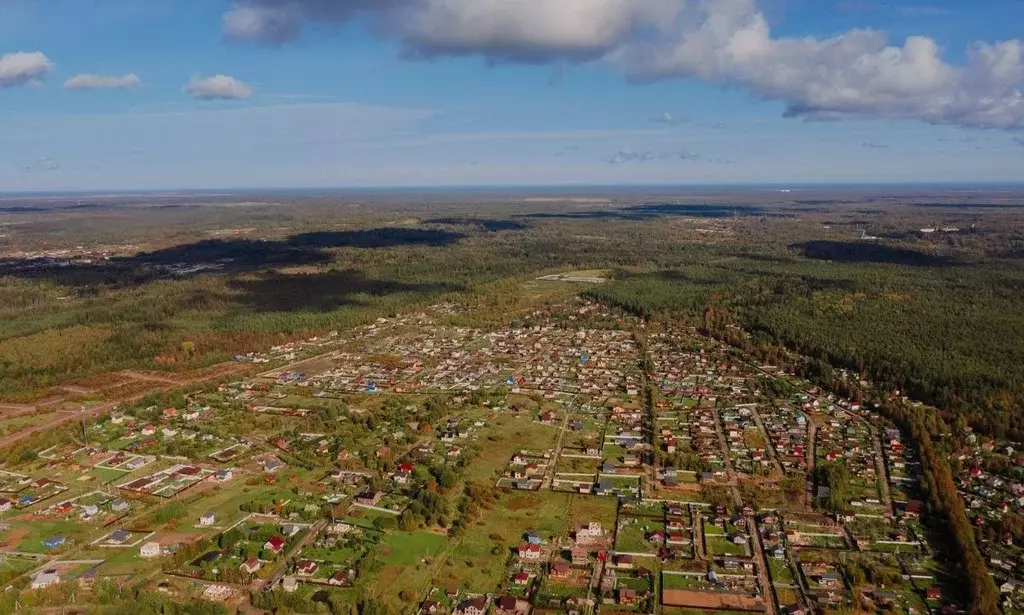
(856, 74)
(525, 30)
(129, 81)
(500, 30)
(23, 68)
(218, 87)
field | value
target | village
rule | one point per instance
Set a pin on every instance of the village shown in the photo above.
(572, 461)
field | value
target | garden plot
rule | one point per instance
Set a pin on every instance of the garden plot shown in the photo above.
(525, 471)
(95, 507)
(230, 453)
(22, 491)
(124, 462)
(811, 535)
(122, 539)
(170, 482)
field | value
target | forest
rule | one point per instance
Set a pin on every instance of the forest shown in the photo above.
(184, 285)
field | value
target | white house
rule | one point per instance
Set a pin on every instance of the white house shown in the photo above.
(207, 519)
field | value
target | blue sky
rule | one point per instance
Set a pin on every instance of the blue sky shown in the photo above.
(164, 94)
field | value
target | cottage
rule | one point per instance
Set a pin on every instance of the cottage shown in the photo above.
(207, 519)
(473, 606)
(272, 465)
(306, 567)
(250, 565)
(510, 605)
(626, 596)
(53, 543)
(275, 544)
(369, 498)
(529, 551)
(580, 556)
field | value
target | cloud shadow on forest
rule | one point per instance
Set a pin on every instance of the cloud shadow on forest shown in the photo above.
(869, 252)
(220, 255)
(322, 292)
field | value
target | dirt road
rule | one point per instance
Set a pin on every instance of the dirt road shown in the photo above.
(66, 416)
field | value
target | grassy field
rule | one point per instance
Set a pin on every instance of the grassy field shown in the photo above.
(407, 548)
(631, 537)
(32, 534)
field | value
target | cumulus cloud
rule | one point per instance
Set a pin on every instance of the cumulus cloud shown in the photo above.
(23, 68)
(43, 164)
(628, 155)
(129, 81)
(218, 87)
(856, 74)
(524, 30)
(500, 30)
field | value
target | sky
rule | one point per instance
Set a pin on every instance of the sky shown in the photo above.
(218, 94)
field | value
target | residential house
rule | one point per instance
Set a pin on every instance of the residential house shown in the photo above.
(529, 551)
(275, 544)
(250, 565)
(510, 605)
(306, 567)
(369, 498)
(626, 596)
(580, 556)
(473, 606)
